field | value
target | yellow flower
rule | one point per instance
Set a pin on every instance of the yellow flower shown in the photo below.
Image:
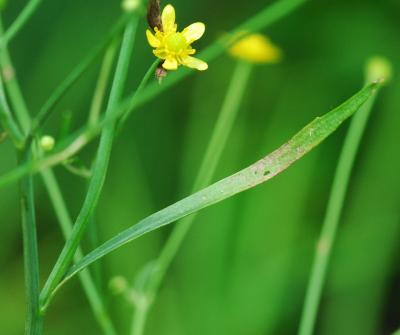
(175, 47)
(256, 48)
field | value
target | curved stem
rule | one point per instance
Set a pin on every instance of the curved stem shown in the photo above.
(101, 85)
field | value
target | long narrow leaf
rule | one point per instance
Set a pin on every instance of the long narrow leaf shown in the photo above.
(259, 172)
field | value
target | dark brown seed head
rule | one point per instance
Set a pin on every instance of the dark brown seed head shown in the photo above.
(154, 14)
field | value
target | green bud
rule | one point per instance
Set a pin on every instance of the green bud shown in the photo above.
(378, 69)
(47, 143)
(118, 285)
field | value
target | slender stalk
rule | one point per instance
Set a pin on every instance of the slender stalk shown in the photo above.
(19, 22)
(139, 318)
(34, 321)
(101, 85)
(100, 168)
(330, 225)
(211, 159)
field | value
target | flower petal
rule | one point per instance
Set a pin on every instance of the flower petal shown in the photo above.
(153, 41)
(194, 32)
(170, 64)
(194, 63)
(168, 19)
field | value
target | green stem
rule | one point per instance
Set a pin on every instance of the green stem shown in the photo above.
(332, 217)
(101, 85)
(211, 159)
(19, 22)
(139, 318)
(100, 168)
(34, 321)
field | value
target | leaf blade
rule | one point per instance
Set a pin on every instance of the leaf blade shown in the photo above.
(257, 173)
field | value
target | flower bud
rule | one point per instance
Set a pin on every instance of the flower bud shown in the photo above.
(118, 285)
(47, 143)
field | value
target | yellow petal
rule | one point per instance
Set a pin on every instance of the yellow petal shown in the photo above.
(153, 41)
(170, 64)
(194, 63)
(194, 32)
(168, 19)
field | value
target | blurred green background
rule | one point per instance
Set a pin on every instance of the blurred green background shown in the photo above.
(244, 266)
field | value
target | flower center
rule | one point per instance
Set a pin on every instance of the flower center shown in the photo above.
(176, 42)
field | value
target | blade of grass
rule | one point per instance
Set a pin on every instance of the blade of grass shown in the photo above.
(263, 19)
(100, 167)
(55, 194)
(19, 22)
(211, 159)
(261, 171)
(333, 214)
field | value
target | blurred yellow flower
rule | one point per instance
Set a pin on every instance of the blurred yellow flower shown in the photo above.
(256, 48)
(175, 47)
